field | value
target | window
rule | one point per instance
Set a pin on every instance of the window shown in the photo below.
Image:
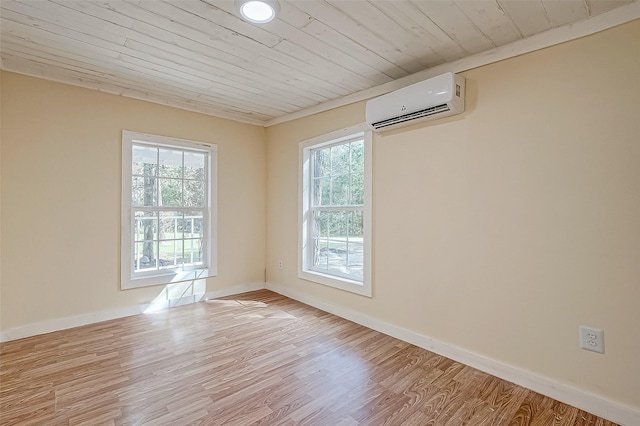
(335, 210)
(168, 210)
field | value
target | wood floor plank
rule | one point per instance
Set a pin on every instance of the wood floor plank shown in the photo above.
(257, 358)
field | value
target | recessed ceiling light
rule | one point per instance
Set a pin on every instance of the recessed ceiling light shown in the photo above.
(258, 11)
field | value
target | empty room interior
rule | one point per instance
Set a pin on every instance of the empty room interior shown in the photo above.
(335, 213)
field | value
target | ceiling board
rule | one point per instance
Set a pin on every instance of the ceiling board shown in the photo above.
(199, 55)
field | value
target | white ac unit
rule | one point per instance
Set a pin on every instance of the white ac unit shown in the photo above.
(436, 97)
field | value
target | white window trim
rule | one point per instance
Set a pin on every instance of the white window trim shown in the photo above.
(304, 186)
(128, 280)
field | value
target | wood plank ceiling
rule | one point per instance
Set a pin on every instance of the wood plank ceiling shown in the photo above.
(201, 56)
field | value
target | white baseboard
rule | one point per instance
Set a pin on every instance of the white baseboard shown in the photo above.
(592, 403)
(64, 323)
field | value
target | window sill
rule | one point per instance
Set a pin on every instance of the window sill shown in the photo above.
(363, 289)
(170, 277)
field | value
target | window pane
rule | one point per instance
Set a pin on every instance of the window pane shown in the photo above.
(320, 233)
(170, 253)
(355, 250)
(320, 253)
(357, 156)
(337, 256)
(144, 160)
(188, 224)
(193, 252)
(340, 190)
(357, 189)
(321, 162)
(337, 224)
(321, 192)
(169, 225)
(171, 192)
(194, 195)
(145, 236)
(193, 225)
(144, 256)
(337, 251)
(182, 226)
(338, 176)
(143, 191)
(320, 224)
(194, 166)
(145, 226)
(171, 163)
(340, 159)
(356, 225)
(355, 245)
(338, 242)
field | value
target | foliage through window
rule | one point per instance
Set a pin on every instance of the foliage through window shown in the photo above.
(335, 210)
(168, 197)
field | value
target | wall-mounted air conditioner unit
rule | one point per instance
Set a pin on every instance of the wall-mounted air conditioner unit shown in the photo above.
(436, 97)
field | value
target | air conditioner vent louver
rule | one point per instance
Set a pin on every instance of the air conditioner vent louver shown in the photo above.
(412, 116)
(437, 97)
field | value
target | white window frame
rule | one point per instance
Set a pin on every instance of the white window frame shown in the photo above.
(305, 270)
(131, 279)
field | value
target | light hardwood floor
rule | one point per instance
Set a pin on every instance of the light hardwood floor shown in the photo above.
(253, 359)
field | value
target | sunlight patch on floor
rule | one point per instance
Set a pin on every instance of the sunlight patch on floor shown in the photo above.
(177, 294)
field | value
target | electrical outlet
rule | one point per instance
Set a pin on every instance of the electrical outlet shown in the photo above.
(591, 339)
(280, 264)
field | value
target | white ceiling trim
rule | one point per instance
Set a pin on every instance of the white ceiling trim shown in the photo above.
(539, 41)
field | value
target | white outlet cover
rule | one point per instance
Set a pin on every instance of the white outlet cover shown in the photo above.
(591, 339)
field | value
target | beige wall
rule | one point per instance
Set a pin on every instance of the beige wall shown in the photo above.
(1, 328)
(61, 180)
(502, 230)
